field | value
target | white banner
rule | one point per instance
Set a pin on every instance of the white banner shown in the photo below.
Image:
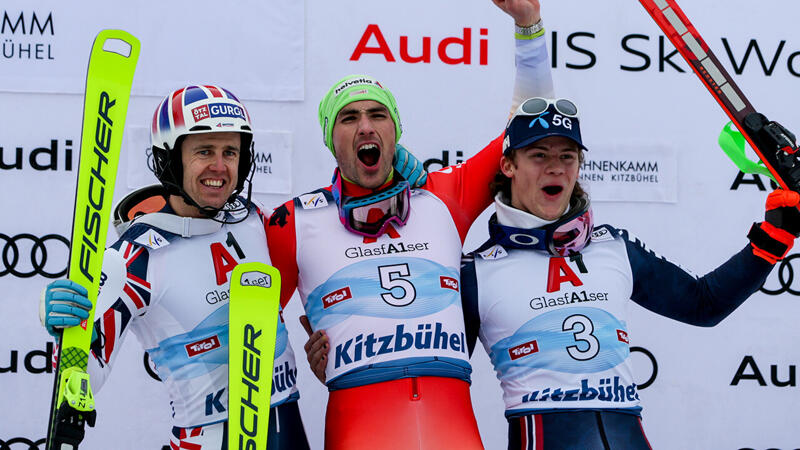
(255, 45)
(450, 65)
(273, 162)
(638, 173)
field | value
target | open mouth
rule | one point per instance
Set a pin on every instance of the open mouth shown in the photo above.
(369, 154)
(552, 190)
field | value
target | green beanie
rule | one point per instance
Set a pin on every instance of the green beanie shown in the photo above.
(349, 89)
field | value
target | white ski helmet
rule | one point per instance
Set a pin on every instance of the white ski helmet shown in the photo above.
(196, 110)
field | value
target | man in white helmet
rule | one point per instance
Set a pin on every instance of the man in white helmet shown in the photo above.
(167, 277)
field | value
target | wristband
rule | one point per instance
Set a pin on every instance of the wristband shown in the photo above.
(769, 242)
(531, 32)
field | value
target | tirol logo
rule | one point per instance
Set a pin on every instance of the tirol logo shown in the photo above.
(225, 110)
(40, 158)
(24, 25)
(622, 336)
(522, 350)
(336, 296)
(200, 113)
(206, 345)
(448, 283)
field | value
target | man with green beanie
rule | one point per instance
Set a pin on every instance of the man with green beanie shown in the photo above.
(351, 98)
(376, 264)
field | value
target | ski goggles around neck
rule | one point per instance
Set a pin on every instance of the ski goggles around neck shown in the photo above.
(370, 215)
(567, 235)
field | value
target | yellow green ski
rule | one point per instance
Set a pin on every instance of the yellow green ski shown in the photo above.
(253, 324)
(108, 86)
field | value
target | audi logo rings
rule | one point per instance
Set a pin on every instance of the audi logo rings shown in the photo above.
(785, 277)
(150, 367)
(653, 371)
(21, 443)
(14, 258)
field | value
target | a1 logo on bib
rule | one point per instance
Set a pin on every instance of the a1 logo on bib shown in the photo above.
(224, 262)
(560, 272)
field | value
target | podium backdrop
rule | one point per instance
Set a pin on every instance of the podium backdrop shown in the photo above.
(653, 168)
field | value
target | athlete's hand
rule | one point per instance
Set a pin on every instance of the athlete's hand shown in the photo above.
(524, 12)
(63, 304)
(782, 211)
(409, 166)
(773, 238)
(316, 348)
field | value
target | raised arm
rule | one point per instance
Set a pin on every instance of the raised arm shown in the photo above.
(465, 187)
(532, 77)
(666, 289)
